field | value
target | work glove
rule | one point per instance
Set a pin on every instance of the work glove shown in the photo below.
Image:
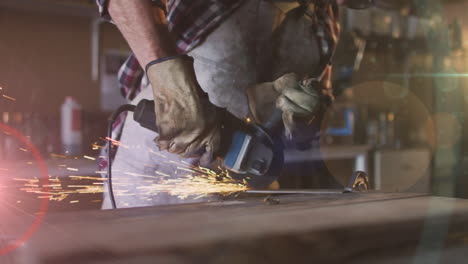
(298, 100)
(187, 122)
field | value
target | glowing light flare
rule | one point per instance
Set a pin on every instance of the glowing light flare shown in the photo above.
(87, 178)
(96, 147)
(59, 190)
(199, 186)
(88, 157)
(9, 98)
(44, 205)
(58, 156)
(116, 142)
(140, 175)
(156, 153)
(189, 181)
(162, 174)
(199, 182)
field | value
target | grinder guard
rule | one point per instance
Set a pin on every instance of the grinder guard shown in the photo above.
(255, 157)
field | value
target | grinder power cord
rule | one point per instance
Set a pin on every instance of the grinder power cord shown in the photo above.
(111, 121)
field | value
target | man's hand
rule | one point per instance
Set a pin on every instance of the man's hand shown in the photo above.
(187, 122)
(297, 99)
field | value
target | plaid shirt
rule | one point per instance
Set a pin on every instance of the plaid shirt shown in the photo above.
(192, 20)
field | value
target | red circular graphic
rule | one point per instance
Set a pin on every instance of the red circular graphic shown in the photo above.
(44, 182)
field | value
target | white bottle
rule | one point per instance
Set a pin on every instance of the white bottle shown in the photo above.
(71, 126)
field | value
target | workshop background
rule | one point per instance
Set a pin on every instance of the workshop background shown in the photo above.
(400, 115)
(400, 82)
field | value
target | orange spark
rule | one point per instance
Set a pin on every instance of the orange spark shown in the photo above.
(9, 98)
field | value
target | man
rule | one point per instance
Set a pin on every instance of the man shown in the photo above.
(256, 47)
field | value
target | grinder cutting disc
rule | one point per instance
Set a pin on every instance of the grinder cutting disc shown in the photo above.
(273, 172)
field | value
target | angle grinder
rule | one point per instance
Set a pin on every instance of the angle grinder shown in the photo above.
(252, 153)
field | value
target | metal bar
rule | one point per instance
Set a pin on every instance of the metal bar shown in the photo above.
(299, 191)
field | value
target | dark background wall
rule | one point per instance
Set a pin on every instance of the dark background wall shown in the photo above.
(45, 57)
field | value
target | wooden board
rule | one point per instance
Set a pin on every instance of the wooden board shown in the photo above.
(356, 228)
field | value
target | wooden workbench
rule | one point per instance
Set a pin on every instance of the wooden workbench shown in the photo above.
(347, 228)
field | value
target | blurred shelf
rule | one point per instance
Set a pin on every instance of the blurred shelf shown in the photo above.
(63, 7)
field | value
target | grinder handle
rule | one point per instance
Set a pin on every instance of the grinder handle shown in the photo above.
(145, 116)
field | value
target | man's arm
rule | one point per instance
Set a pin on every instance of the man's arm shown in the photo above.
(188, 124)
(144, 28)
